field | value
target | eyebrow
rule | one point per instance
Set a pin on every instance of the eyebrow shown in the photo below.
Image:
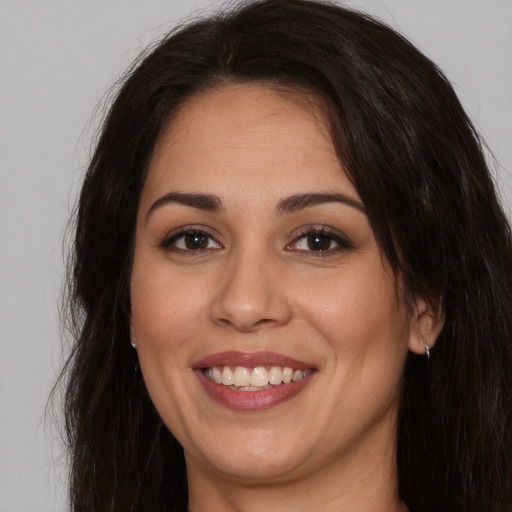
(213, 203)
(207, 202)
(303, 201)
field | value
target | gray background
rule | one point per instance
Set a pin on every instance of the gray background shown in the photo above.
(57, 59)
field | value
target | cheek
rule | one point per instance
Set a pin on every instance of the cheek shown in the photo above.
(165, 307)
(365, 329)
(358, 313)
(165, 319)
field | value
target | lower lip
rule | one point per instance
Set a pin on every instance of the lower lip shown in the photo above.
(252, 400)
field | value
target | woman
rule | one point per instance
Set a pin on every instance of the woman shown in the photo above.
(291, 280)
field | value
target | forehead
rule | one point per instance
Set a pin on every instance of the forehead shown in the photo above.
(247, 135)
(246, 106)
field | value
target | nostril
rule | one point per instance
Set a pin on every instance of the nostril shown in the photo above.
(264, 321)
(223, 322)
(249, 300)
(247, 326)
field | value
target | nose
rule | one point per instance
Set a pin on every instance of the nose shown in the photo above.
(252, 295)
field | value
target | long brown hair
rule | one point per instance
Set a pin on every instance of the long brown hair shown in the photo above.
(418, 166)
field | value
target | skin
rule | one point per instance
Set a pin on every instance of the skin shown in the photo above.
(256, 284)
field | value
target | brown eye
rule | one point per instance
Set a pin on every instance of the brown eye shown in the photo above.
(319, 242)
(194, 241)
(191, 241)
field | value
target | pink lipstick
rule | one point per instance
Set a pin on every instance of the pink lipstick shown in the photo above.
(252, 381)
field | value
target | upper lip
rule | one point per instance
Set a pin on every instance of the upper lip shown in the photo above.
(251, 360)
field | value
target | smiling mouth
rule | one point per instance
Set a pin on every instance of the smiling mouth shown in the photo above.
(241, 378)
(253, 381)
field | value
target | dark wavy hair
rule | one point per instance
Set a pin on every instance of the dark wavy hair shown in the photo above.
(418, 166)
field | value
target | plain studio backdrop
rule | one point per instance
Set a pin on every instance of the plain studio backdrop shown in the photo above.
(57, 60)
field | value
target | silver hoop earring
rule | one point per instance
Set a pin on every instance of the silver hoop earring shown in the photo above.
(427, 351)
(133, 345)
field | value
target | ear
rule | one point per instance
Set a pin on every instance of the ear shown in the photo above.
(427, 321)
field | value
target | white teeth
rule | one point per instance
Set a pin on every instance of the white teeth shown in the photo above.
(254, 379)
(217, 376)
(297, 375)
(227, 376)
(259, 377)
(242, 376)
(251, 388)
(275, 375)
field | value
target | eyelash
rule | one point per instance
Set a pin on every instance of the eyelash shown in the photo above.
(342, 243)
(170, 243)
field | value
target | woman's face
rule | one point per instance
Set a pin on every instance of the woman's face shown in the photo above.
(255, 264)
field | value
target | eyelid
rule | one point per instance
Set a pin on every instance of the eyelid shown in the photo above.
(336, 235)
(175, 234)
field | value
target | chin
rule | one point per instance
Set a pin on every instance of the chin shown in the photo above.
(260, 458)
